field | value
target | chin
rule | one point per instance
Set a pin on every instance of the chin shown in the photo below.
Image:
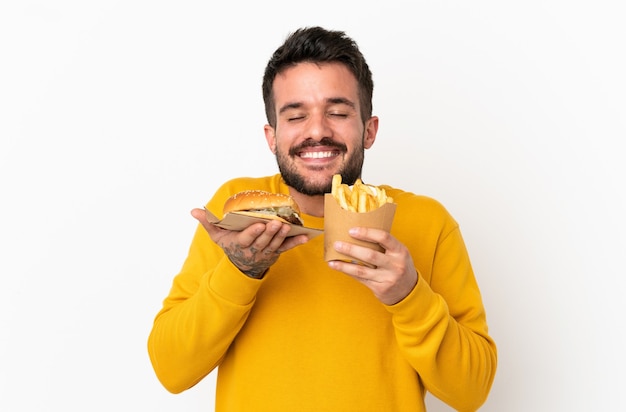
(310, 181)
(309, 187)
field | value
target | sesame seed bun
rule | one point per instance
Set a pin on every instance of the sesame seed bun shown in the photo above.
(264, 204)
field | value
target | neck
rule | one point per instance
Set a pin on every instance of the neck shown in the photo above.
(310, 205)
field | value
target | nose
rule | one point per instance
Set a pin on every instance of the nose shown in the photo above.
(318, 126)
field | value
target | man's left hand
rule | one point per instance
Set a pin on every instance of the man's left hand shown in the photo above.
(393, 275)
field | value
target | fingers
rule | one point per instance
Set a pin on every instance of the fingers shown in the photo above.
(367, 255)
(201, 216)
(292, 242)
(255, 248)
(268, 237)
(260, 235)
(382, 237)
(392, 274)
(273, 238)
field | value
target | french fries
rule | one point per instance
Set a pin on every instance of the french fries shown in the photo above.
(360, 198)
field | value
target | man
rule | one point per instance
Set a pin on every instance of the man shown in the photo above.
(291, 332)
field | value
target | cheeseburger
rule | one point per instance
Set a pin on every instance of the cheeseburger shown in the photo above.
(266, 205)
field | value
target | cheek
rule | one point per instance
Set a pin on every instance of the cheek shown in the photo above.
(281, 146)
(285, 138)
(355, 138)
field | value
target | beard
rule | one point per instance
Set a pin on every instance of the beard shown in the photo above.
(350, 170)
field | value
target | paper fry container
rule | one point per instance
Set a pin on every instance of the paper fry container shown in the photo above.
(337, 222)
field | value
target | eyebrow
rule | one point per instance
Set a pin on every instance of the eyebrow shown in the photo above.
(289, 106)
(332, 100)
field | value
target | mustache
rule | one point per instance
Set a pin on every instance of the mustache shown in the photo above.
(326, 141)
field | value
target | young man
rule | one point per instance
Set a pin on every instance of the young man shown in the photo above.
(291, 332)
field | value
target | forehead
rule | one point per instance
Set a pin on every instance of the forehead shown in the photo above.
(307, 80)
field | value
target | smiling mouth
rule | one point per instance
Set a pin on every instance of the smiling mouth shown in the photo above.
(325, 149)
(318, 155)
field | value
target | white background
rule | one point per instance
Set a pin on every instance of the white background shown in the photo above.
(118, 117)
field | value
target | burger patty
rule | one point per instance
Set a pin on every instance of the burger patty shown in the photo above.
(286, 213)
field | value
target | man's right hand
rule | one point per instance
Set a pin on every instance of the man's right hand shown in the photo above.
(254, 249)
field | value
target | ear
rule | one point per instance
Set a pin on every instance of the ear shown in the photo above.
(270, 137)
(371, 129)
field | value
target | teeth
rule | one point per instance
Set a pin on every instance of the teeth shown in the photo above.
(316, 155)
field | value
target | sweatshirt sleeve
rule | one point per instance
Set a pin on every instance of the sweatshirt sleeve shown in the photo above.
(441, 327)
(208, 303)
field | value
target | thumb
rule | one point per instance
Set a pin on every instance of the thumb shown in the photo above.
(201, 215)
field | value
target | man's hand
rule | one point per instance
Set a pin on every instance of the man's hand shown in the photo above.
(393, 276)
(254, 249)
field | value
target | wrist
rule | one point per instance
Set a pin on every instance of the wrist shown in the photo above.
(255, 274)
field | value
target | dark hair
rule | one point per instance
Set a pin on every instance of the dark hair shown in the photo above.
(318, 45)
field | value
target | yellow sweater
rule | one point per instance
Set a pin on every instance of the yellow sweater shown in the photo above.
(308, 338)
